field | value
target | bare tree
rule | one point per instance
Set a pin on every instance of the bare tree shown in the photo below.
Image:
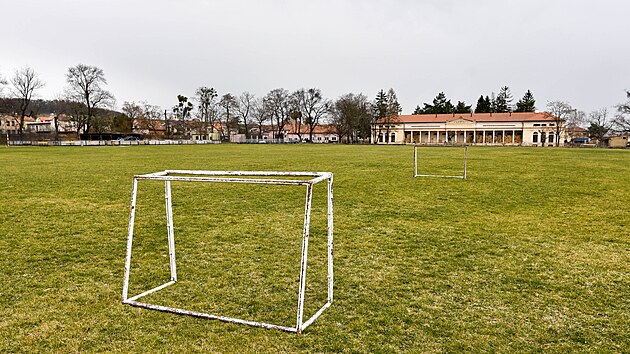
(622, 119)
(350, 117)
(25, 82)
(561, 112)
(207, 108)
(229, 105)
(312, 106)
(244, 110)
(278, 104)
(85, 85)
(3, 82)
(600, 124)
(260, 115)
(151, 115)
(134, 112)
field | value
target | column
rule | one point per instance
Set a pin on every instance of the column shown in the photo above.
(484, 136)
(474, 136)
(513, 137)
(411, 139)
(503, 137)
(494, 136)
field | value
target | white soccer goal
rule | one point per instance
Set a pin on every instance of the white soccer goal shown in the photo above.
(250, 177)
(415, 162)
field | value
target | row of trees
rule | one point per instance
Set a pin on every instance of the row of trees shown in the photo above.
(84, 98)
(500, 103)
(89, 105)
(350, 116)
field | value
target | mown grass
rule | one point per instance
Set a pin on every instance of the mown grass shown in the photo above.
(531, 253)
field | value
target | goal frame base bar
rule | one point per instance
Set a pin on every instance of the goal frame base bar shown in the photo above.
(250, 177)
(415, 161)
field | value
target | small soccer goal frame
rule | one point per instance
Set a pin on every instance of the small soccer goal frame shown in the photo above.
(247, 177)
(415, 161)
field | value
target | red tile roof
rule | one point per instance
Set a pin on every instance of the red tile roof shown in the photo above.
(475, 117)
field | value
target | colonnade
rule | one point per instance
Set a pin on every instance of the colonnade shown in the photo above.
(464, 136)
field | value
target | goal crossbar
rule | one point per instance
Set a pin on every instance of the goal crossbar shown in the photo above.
(252, 177)
(415, 161)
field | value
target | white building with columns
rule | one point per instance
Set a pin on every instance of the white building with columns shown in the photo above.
(523, 128)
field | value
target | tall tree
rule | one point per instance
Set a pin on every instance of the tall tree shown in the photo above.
(386, 110)
(561, 112)
(503, 101)
(462, 107)
(244, 109)
(260, 115)
(527, 103)
(206, 109)
(134, 112)
(25, 82)
(483, 105)
(181, 113)
(85, 85)
(351, 118)
(3, 82)
(312, 107)
(379, 108)
(622, 120)
(441, 105)
(229, 106)
(600, 124)
(278, 104)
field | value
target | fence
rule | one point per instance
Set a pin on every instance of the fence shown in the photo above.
(105, 142)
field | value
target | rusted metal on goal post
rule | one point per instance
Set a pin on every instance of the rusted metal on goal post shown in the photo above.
(415, 160)
(250, 177)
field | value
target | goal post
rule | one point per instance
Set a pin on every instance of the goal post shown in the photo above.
(308, 179)
(416, 155)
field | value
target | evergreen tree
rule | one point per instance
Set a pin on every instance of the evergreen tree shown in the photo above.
(503, 101)
(393, 107)
(379, 109)
(440, 105)
(483, 105)
(527, 103)
(462, 107)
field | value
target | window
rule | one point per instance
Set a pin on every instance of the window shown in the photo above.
(551, 137)
(535, 137)
(537, 124)
(380, 138)
(393, 138)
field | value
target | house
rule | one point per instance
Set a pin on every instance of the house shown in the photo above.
(322, 133)
(575, 134)
(523, 128)
(9, 124)
(618, 141)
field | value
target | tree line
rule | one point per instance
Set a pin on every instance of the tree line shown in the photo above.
(91, 108)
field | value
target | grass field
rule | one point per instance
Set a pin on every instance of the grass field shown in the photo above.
(530, 253)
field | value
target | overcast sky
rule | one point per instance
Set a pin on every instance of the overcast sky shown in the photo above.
(576, 51)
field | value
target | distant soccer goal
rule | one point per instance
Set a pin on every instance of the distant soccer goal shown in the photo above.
(308, 179)
(417, 156)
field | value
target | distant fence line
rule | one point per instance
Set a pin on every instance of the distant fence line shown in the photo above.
(109, 142)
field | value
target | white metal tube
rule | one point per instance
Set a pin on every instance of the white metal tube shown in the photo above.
(315, 316)
(302, 289)
(209, 316)
(132, 216)
(157, 288)
(330, 239)
(170, 230)
(465, 159)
